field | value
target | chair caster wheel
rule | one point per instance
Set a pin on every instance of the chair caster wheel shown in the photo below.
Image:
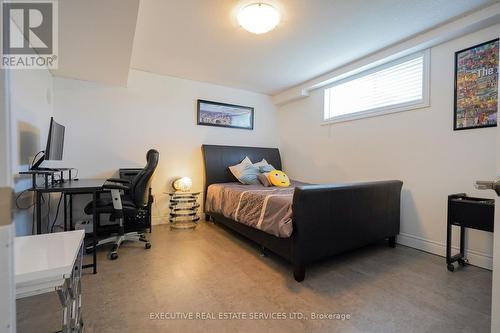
(113, 256)
(147, 246)
(451, 267)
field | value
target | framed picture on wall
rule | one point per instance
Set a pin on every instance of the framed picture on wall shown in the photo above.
(225, 115)
(476, 86)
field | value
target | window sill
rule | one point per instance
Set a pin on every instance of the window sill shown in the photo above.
(373, 113)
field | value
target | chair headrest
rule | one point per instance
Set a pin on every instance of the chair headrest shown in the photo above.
(152, 157)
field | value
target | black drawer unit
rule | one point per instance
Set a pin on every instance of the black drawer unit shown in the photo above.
(467, 212)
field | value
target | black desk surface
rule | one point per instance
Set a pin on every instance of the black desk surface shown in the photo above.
(80, 185)
(44, 171)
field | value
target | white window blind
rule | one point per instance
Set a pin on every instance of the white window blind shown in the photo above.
(393, 85)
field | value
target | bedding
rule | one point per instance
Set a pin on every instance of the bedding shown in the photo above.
(247, 172)
(264, 180)
(237, 170)
(263, 164)
(259, 207)
(249, 175)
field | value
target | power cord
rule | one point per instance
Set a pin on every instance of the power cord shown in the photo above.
(57, 213)
(48, 214)
(49, 224)
(17, 200)
(34, 158)
(33, 215)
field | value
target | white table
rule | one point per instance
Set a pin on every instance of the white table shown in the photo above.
(52, 262)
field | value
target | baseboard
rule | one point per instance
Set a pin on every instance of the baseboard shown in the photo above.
(476, 258)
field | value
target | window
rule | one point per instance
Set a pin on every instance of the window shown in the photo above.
(396, 86)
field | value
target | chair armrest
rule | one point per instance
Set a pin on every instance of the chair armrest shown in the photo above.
(118, 180)
(115, 187)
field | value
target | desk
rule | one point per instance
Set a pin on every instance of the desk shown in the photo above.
(70, 188)
(52, 262)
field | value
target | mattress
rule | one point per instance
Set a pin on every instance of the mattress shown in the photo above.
(265, 208)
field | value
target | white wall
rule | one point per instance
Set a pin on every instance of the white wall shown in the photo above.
(109, 127)
(31, 108)
(5, 173)
(418, 147)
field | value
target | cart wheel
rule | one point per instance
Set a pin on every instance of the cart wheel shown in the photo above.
(113, 256)
(451, 268)
(147, 246)
(463, 262)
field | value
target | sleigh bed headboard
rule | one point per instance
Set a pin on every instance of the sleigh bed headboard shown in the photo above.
(218, 159)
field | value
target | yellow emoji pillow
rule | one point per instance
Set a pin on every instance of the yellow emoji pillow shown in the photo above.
(278, 178)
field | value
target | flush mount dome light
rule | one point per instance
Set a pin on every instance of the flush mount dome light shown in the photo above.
(259, 18)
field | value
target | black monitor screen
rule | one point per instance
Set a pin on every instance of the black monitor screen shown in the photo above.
(55, 141)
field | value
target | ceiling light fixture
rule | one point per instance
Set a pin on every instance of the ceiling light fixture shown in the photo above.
(258, 18)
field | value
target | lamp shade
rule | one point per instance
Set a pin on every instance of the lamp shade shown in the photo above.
(183, 184)
(258, 18)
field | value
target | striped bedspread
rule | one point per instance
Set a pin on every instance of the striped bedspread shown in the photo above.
(265, 208)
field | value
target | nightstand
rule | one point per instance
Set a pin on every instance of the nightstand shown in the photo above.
(183, 210)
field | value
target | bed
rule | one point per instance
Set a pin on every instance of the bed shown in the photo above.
(326, 219)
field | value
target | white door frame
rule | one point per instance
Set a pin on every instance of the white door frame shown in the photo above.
(7, 230)
(495, 299)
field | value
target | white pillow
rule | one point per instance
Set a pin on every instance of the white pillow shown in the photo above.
(237, 170)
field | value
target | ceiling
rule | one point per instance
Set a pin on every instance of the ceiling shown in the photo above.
(201, 40)
(96, 39)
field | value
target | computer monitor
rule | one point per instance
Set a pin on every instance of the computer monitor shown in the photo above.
(55, 144)
(55, 141)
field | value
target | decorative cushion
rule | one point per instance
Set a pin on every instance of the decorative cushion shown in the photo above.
(261, 163)
(245, 172)
(266, 168)
(249, 174)
(237, 169)
(279, 178)
(264, 180)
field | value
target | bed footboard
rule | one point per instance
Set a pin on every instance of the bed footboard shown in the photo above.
(330, 219)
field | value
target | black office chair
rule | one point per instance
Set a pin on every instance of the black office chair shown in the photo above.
(136, 198)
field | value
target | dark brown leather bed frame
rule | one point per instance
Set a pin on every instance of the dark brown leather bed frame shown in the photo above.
(327, 219)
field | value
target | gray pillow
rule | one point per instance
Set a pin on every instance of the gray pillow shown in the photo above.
(266, 168)
(264, 180)
(237, 169)
(249, 174)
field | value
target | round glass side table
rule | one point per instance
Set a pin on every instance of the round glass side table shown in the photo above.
(183, 210)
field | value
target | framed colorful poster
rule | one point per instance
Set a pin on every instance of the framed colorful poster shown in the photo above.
(476, 86)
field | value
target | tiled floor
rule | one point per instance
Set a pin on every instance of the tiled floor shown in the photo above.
(214, 272)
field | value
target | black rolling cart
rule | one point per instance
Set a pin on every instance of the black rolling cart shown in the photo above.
(466, 212)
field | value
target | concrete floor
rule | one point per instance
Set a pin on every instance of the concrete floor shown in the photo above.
(213, 271)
